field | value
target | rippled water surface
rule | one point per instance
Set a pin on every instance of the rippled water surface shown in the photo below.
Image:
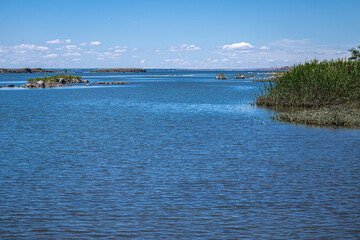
(169, 157)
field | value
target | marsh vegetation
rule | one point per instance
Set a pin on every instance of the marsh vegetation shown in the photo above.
(325, 93)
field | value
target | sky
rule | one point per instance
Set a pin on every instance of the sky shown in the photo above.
(223, 34)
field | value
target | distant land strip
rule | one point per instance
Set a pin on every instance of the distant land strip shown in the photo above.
(28, 70)
(122, 70)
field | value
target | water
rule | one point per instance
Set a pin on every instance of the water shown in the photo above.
(182, 157)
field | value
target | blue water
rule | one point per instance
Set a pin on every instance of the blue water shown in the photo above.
(184, 157)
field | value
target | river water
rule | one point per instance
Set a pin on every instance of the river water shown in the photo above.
(184, 156)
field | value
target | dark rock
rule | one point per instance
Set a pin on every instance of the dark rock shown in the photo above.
(239, 77)
(42, 84)
(61, 80)
(111, 83)
(221, 77)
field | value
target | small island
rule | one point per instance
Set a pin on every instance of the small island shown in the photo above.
(53, 81)
(28, 70)
(239, 76)
(221, 76)
(59, 81)
(118, 70)
(273, 78)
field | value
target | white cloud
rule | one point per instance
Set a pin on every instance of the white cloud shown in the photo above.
(69, 48)
(184, 47)
(31, 47)
(2, 50)
(83, 44)
(134, 49)
(50, 56)
(143, 61)
(104, 54)
(90, 52)
(96, 43)
(191, 47)
(72, 47)
(76, 59)
(107, 54)
(225, 60)
(174, 60)
(238, 46)
(72, 54)
(120, 50)
(292, 43)
(135, 56)
(100, 58)
(264, 48)
(56, 41)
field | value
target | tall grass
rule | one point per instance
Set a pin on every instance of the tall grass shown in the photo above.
(315, 84)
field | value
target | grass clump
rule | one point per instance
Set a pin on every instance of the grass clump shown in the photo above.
(330, 89)
(315, 84)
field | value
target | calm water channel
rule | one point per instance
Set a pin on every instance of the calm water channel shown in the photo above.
(177, 157)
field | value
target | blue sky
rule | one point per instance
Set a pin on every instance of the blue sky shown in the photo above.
(175, 34)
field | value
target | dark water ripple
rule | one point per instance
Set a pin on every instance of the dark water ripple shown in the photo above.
(170, 158)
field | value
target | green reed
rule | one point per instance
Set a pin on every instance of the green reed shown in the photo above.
(315, 84)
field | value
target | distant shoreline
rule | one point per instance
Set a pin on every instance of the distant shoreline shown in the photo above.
(118, 70)
(94, 69)
(28, 70)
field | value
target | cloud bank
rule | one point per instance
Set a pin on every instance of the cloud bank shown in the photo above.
(238, 46)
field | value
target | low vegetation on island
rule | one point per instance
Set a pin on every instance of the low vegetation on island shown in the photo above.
(318, 93)
(59, 81)
(239, 76)
(53, 81)
(221, 76)
(118, 70)
(28, 70)
(261, 76)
